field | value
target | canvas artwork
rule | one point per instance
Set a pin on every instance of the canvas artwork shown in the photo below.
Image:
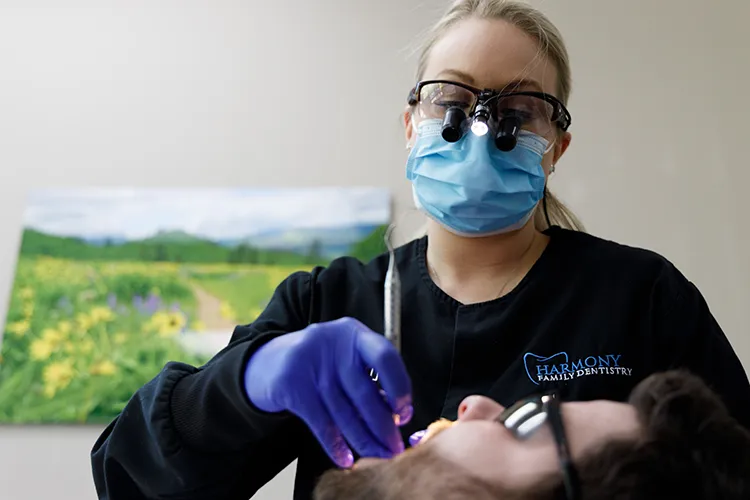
(111, 284)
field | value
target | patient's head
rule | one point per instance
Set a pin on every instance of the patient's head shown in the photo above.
(674, 438)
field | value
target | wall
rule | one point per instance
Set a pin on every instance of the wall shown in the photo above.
(229, 92)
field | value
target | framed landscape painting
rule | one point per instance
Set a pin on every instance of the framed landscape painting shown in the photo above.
(111, 284)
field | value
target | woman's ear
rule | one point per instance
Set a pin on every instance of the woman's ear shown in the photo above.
(562, 145)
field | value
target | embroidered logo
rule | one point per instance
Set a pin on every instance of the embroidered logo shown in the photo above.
(560, 367)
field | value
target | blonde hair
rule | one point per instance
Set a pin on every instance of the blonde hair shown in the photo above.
(551, 45)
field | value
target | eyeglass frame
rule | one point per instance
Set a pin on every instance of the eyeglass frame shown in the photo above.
(549, 403)
(561, 116)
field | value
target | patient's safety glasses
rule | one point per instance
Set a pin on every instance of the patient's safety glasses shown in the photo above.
(462, 107)
(527, 416)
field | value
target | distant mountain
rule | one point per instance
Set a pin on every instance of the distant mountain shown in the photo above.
(304, 242)
(331, 241)
(165, 248)
(100, 241)
(164, 236)
(173, 236)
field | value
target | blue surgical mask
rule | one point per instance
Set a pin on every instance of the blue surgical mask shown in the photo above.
(471, 187)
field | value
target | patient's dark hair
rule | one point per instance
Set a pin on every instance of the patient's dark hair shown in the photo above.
(690, 448)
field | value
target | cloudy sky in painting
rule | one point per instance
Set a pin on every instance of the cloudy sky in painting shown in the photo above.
(210, 213)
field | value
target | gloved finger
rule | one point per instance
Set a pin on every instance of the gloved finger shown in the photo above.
(415, 438)
(372, 408)
(383, 357)
(323, 427)
(349, 420)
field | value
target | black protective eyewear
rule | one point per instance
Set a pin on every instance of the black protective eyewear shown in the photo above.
(462, 106)
(527, 416)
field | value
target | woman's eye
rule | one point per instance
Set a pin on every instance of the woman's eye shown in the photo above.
(451, 104)
(524, 115)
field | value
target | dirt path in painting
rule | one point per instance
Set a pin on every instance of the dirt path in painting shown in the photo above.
(217, 330)
(209, 311)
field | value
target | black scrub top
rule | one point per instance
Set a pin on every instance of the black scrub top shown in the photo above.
(591, 318)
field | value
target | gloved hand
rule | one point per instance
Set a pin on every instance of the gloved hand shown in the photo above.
(321, 375)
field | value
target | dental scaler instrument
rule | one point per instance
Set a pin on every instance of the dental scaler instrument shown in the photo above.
(392, 296)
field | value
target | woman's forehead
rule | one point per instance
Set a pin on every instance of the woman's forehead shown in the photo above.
(490, 54)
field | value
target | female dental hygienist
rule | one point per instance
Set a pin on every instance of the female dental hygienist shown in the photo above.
(503, 297)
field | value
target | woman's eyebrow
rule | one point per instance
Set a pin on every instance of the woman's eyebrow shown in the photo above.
(460, 75)
(522, 84)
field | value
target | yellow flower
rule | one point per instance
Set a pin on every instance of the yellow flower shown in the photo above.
(57, 376)
(154, 322)
(86, 346)
(28, 310)
(52, 336)
(26, 293)
(41, 349)
(18, 328)
(166, 324)
(120, 338)
(64, 327)
(84, 322)
(226, 311)
(101, 315)
(104, 368)
(174, 323)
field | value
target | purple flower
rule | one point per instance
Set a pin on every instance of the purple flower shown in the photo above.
(112, 301)
(138, 304)
(152, 304)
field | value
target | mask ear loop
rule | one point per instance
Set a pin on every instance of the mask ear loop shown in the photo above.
(546, 191)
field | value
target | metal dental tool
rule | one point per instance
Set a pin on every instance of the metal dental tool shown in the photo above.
(392, 295)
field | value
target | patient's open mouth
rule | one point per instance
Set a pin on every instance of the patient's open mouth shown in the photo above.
(432, 430)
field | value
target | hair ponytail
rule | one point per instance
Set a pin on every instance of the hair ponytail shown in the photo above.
(553, 212)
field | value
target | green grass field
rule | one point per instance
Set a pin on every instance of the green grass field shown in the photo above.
(245, 292)
(82, 336)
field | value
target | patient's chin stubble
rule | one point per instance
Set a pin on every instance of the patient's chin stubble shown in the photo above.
(419, 473)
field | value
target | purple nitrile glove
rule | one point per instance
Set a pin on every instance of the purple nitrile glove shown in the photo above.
(321, 375)
(415, 438)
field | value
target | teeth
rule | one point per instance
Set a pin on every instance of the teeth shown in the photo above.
(432, 430)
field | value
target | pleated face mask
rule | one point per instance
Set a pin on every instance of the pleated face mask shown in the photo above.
(471, 187)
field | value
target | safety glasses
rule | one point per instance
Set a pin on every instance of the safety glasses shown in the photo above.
(457, 104)
(527, 416)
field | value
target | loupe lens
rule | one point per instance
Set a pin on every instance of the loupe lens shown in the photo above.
(507, 133)
(454, 118)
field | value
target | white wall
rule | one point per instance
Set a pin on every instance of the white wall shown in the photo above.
(306, 93)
